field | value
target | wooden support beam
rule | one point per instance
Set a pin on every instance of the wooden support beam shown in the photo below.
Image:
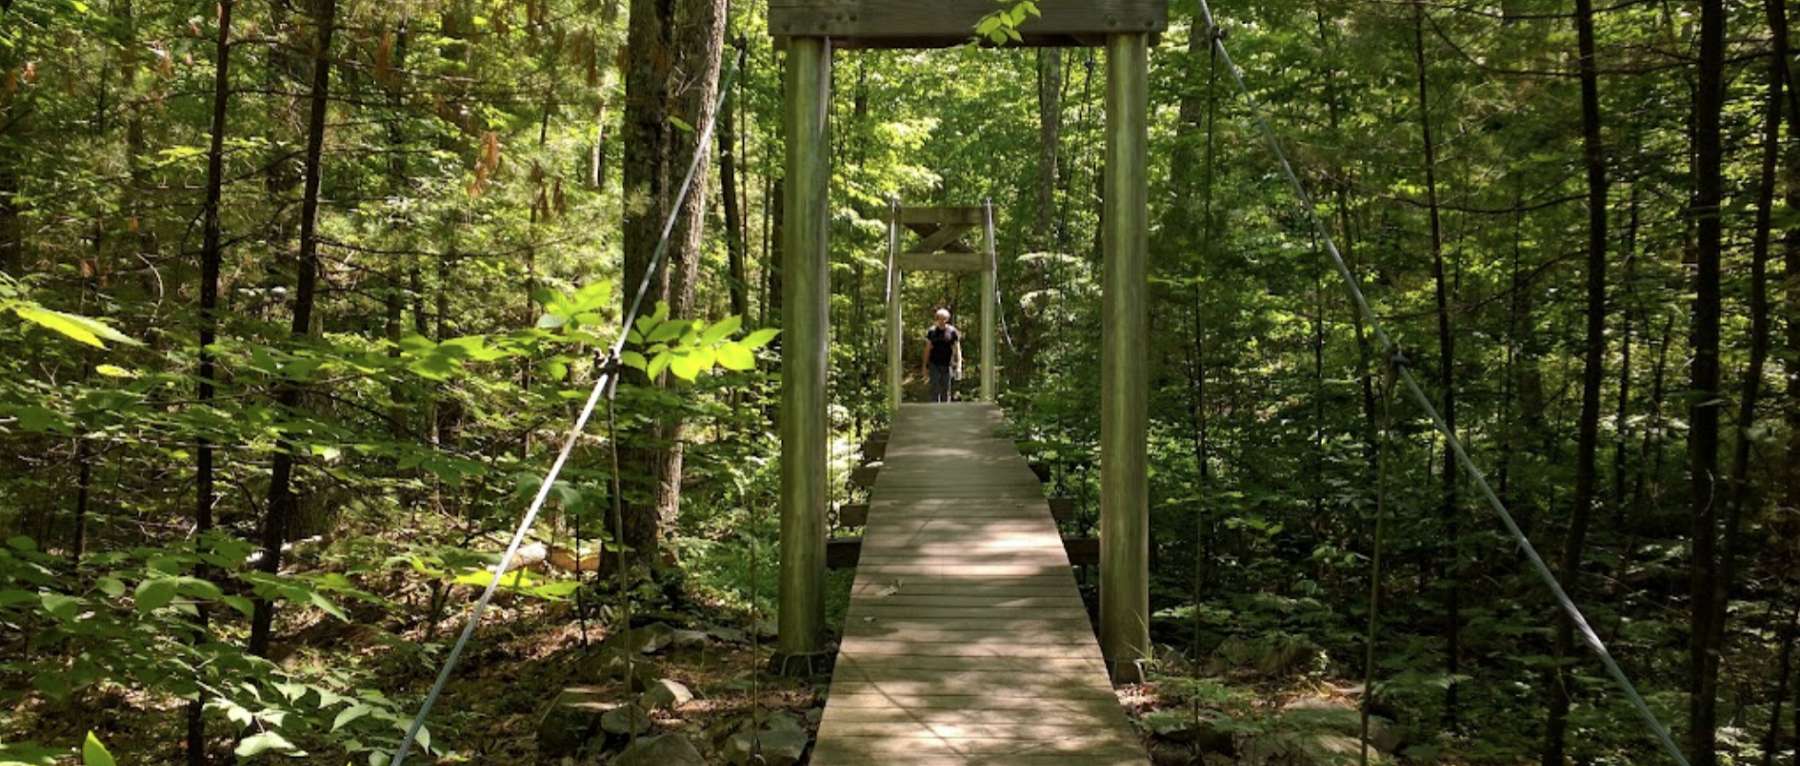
(943, 237)
(1124, 364)
(944, 23)
(927, 229)
(806, 333)
(964, 262)
(921, 215)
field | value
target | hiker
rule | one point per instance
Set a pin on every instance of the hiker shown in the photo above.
(943, 355)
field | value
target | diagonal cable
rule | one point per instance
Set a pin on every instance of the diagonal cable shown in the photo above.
(602, 386)
(1418, 396)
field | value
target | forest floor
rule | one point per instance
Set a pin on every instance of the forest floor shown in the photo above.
(536, 685)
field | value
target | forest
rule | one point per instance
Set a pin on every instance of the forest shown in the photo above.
(299, 301)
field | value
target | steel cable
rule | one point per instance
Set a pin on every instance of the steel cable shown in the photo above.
(602, 386)
(1417, 394)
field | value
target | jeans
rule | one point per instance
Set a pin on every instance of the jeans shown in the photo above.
(940, 382)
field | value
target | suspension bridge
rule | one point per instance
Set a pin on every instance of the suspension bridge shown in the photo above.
(966, 641)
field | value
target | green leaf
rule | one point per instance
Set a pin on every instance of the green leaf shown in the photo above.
(114, 371)
(35, 419)
(111, 586)
(348, 715)
(262, 743)
(93, 753)
(155, 593)
(73, 326)
(733, 356)
(665, 332)
(760, 338)
(686, 366)
(242, 605)
(657, 364)
(721, 329)
(60, 605)
(330, 608)
(633, 360)
(194, 587)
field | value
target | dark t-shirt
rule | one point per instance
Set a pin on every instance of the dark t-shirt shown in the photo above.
(943, 344)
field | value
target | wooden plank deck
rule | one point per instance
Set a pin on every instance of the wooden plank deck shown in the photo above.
(966, 641)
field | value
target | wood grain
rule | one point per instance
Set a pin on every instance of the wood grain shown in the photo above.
(966, 641)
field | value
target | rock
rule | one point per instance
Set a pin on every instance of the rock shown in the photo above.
(779, 747)
(664, 750)
(1165, 753)
(1206, 733)
(782, 737)
(728, 635)
(688, 640)
(665, 694)
(1342, 717)
(572, 719)
(610, 665)
(649, 639)
(625, 720)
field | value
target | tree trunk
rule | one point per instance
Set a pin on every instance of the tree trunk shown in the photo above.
(1740, 492)
(1628, 314)
(1049, 82)
(1784, 665)
(211, 257)
(394, 296)
(1593, 370)
(1703, 412)
(282, 500)
(644, 129)
(1449, 557)
(735, 234)
(680, 73)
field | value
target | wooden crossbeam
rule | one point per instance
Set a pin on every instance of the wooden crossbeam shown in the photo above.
(925, 230)
(942, 23)
(946, 235)
(969, 215)
(961, 262)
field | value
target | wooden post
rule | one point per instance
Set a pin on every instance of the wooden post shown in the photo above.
(805, 330)
(894, 336)
(1124, 486)
(989, 301)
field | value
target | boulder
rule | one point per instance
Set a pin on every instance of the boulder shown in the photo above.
(572, 719)
(778, 747)
(782, 739)
(683, 640)
(648, 639)
(665, 694)
(625, 720)
(663, 750)
(1207, 732)
(610, 665)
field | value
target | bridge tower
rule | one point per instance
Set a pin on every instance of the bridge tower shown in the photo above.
(809, 31)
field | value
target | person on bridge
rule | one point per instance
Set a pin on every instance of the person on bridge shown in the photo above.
(943, 355)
